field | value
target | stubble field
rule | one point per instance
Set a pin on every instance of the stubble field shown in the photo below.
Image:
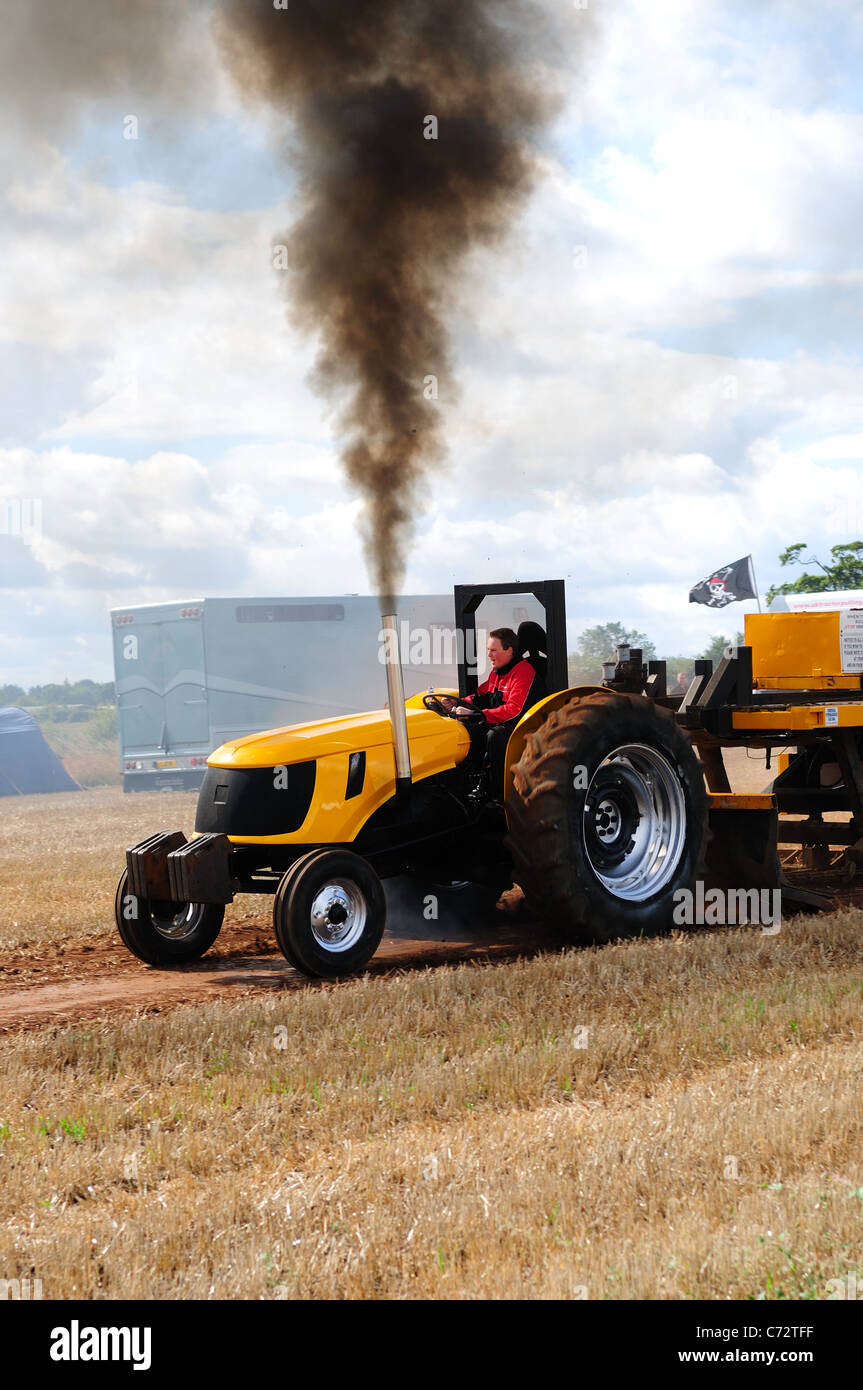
(666, 1119)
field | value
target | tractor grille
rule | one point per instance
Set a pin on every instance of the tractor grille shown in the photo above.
(255, 801)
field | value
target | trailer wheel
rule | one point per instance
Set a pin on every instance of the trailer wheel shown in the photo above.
(607, 818)
(165, 933)
(330, 913)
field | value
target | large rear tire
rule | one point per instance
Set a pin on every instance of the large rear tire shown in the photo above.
(165, 933)
(607, 818)
(330, 913)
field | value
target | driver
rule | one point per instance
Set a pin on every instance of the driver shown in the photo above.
(502, 698)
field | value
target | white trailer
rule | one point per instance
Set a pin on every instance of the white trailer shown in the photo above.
(824, 601)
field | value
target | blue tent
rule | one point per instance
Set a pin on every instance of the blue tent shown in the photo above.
(27, 763)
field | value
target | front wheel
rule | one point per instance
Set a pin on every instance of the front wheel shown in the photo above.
(608, 817)
(165, 933)
(330, 913)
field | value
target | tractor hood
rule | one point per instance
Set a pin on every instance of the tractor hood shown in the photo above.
(350, 733)
(319, 783)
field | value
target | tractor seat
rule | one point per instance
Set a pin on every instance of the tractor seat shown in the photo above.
(532, 644)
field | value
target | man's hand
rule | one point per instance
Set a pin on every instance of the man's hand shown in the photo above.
(452, 707)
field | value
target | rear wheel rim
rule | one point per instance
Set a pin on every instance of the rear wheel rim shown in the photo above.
(338, 916)
(177, 925)
(635, 822)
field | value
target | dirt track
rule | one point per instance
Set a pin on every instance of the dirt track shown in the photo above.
(87, 982)
(82, 974)
(62, 960)
(103, 980)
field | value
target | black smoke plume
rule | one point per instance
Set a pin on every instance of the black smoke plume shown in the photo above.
(386, 212)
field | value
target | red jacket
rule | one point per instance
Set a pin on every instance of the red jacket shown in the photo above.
(514, 687)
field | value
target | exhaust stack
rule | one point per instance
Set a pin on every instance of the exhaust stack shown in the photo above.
(396, 702)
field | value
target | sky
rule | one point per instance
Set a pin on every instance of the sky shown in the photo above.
(658, 373)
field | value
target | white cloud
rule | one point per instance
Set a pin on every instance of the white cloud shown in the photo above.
(181, 305)
(631, 557)
(702, 172)
(838, 446)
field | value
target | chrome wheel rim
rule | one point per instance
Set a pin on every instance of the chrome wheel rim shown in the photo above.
(339, 915)
(635, 822)
(178, 925)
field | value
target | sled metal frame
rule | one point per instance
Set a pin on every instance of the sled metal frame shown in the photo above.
(722, 710)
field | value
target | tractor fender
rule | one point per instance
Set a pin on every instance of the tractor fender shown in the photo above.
(536, 715)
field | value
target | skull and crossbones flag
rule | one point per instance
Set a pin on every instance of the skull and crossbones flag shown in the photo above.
(726, 584)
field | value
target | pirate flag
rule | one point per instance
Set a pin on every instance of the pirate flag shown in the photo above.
(726, 585)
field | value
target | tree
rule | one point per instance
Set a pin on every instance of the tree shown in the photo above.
(717, 644)
(83, 693)
(599, 644)
(845, 572)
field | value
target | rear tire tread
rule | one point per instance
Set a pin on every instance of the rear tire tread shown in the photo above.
(541, 814)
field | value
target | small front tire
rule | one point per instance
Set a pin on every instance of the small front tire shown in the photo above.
(329, 914)
(165, 933)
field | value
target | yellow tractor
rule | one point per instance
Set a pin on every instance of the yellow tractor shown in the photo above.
(614, 798)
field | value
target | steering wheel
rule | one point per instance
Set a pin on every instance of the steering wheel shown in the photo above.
(433, 703)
